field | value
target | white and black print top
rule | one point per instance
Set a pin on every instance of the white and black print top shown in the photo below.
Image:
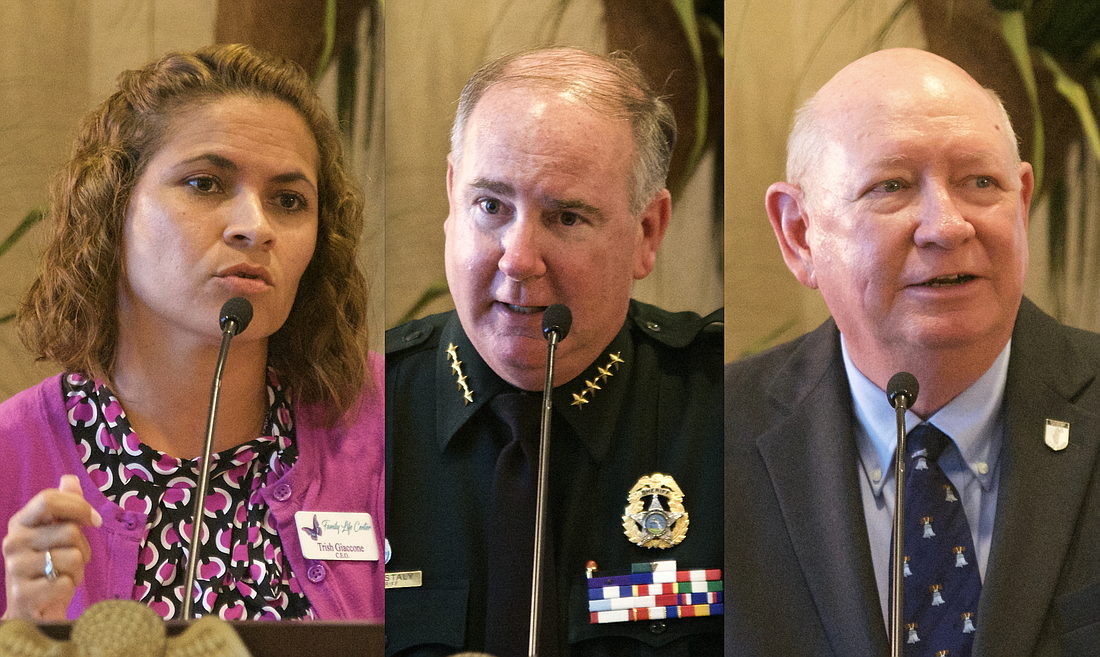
(242, 573)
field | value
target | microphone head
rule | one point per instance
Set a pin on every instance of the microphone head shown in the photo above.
(902, 385)
(557, 318)
(239, 310)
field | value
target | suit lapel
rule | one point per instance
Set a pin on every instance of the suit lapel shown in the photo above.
(1041, 490)
(812, 462)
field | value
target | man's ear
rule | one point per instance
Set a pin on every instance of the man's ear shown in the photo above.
(450, 177)
(450, 193)
(786, 205)
(1027, 186)
(654, 223)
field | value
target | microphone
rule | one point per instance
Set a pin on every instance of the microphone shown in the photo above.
(558, 319)
(902, 391)
(237, 312)
(233, 319)
(556, 322)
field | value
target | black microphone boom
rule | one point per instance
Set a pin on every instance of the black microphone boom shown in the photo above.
(902, 391)
(233, 319)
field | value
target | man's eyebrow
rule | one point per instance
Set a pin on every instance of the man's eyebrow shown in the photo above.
(977, 156)
(558, 204)
(224, 163)
(573, 204)
(494, 186)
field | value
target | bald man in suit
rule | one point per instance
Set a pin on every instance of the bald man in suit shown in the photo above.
(906, 206)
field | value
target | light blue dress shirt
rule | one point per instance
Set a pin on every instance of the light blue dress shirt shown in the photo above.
(975, 424)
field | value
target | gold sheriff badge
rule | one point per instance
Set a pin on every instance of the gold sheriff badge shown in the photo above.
(655, 515)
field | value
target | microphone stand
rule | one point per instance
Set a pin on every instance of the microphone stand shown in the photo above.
(896, 577)
(232, 324)
(542, 493)
(902, 391)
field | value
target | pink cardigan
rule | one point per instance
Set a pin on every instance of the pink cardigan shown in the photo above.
(338, 469)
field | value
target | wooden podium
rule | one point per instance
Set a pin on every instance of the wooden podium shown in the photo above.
(281, 638)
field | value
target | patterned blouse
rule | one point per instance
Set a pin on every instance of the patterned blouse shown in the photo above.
(242, 573)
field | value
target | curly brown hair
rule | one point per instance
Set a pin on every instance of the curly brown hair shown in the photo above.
(70, 313)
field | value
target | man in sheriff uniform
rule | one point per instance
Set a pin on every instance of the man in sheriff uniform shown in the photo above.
(556, 187)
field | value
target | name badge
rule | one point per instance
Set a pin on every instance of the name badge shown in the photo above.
(337, 536)
(404, 580)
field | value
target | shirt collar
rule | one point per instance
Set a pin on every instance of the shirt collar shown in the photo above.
(602, 387)
(464, 381)
(970, 419)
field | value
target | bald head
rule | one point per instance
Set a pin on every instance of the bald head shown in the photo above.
(612, 85)
(878, 83)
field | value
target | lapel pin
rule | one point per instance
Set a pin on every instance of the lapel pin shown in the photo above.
(1057, 435)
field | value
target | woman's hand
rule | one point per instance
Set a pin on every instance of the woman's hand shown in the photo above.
(51, 522)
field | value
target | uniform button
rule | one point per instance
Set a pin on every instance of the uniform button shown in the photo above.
(876, 474)
(653, 326)
(316, 573)
(412, 336)
(129, 519)
(657, 627)
(983, 468)
(282, 492)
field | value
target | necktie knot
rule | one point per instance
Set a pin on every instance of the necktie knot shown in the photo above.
(520, 411)
(928, 438)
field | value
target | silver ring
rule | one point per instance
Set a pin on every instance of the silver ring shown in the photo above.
(51, 572)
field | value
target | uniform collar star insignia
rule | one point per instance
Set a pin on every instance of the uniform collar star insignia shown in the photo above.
(456, 368)
(604, 374)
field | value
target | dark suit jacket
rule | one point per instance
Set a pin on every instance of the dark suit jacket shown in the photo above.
(799, 579)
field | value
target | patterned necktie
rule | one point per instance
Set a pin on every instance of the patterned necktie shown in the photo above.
(511, 534)
(942, 582)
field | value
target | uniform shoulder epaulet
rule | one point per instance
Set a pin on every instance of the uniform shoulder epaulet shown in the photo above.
(677, 329)
(417, 334)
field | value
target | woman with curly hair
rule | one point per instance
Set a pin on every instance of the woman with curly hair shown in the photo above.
(206, 176)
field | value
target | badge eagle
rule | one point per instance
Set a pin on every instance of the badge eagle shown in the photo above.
(663, 522)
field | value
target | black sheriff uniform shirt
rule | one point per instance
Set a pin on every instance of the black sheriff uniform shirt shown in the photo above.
(659, 410)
